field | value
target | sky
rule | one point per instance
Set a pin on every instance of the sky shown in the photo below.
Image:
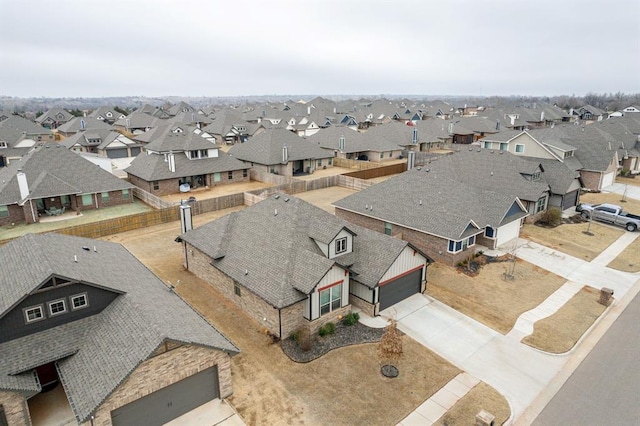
(96, 48)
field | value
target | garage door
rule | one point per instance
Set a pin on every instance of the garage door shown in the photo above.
(508, 232)
(135, 151)
(608, 179)
(117, 153)
(168, 403)
(570, 199)
(399, 289)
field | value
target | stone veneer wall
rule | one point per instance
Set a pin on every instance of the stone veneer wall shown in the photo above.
(163, 370)
(15, 408)
(366, 307)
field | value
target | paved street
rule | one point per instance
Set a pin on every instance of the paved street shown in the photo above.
(605, 388)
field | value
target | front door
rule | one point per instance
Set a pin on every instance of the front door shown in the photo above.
(216, 177)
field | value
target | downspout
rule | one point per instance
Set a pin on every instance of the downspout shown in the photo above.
(96, 198)
(33, 215)
(280, 322)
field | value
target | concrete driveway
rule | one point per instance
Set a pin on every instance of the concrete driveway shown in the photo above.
(632, 191)
(519, 372)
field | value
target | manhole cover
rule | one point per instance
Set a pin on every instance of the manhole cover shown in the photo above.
(389, 371)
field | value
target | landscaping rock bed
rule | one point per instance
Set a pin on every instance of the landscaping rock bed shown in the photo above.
(343, 336)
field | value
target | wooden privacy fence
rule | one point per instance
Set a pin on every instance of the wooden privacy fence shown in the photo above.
(353, 183)
(150, 199)
(391, 169)
(354, 164)
(218, 203)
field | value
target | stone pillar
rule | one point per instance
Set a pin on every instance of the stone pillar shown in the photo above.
(484, 418)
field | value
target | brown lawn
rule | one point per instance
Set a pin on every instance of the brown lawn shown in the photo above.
(628, 181)
(631, 204)
(570, 238)
(342, 387)
(629, 259)
(487, 297)
(481, 397)
(559, 332)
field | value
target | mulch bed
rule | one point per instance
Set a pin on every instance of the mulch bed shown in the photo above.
(472, 268)
(343, 336)
(565, 221)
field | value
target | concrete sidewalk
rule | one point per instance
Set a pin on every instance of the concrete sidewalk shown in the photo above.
(632, 191)
(614, 250)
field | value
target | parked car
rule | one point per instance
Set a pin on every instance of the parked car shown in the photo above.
(609, 213)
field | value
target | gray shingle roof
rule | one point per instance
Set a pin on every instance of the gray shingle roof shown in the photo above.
(102, 350)
(52, 170)
(153, 166)
(15, 128)
(266, 148)
(75, 125)
(278, 252)
(166, 139)
(435, 202)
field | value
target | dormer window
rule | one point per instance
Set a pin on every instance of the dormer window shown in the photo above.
(57, 307)
(341, 245)
(566, 154)
(535, 176)
(109, 114)
(33, 314)
(3, 144)
(79, 301)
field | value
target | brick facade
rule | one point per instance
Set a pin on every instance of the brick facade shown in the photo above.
(164, 370)
(16, 215)
(434, 247)
(171, 186)
(281, 322)
(15, 408)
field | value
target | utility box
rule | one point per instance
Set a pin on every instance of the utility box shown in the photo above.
(606, 296)
(484, 418)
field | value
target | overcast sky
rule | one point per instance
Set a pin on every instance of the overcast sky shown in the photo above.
(88, 48)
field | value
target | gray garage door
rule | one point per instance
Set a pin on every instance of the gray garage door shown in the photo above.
(570, 199)
(395, 291)
(117, 153)
(168, 403)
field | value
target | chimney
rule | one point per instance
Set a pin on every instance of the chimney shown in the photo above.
(411, 159)
(186, 219)
(22, 184)
(542, 116)
(285, 154)
(171, 159)
(309, 110)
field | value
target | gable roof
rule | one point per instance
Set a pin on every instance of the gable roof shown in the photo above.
(276, 257)
(15, 128)
(53, 113)
(51, 171)
(432, 202)
(76, 125)
(95, 354)
(266, 148)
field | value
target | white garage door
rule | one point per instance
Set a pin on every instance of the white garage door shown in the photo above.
(508, 232)
(608, 179)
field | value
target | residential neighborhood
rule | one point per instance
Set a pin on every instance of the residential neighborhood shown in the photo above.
(299, 234)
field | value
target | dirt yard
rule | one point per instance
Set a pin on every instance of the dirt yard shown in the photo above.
(481, 397)
(559, 332)
(343, 387)
(570, 238)
(217, 191)
(324, 197)
(628, 181)
(487, 297)
(629, 259)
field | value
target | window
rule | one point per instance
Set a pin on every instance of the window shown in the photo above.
(331, 299)
(456, 246)
(540, 205)
(382, 155)
(519, 148)
(535, 176)
(105, 197)
(125, 194)
(79, 301)
(319, 163)
(341, 245)
(156, 185)
(331, 161)
(387, 228)
(57, 307)
(486, 145)
(230, 175)
(87, 199)
(3, 144)
(244, 173)
(489, 232)
(237, 290)
(4, 211)
(34, 313)
(504, 146)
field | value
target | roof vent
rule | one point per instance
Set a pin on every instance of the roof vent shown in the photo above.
(492, 151)
(276, 196)
(286, 200)
(75, 258)
(246, 272)
(420, 202)
(85, 248)
(491, 173)
(470, 148)
(275, 213)
(500, 152)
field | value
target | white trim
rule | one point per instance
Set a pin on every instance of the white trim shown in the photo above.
(64, 307)
(31, 308)
(77, 296)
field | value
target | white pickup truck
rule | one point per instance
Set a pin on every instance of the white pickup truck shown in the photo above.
(610, 213)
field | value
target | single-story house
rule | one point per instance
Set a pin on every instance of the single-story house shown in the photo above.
(440, 214)
(292, 266)
(52, 177)
(104, 142)
(107, 114)
(81, 124)
(282, 152)
(91, 325)
(18, 135)
(180, 160)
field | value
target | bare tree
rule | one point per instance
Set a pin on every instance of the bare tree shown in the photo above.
(390, 350)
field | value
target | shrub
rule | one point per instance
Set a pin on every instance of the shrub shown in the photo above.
(328, 328)
(551, 217)
(351, 318)
(302, 338)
